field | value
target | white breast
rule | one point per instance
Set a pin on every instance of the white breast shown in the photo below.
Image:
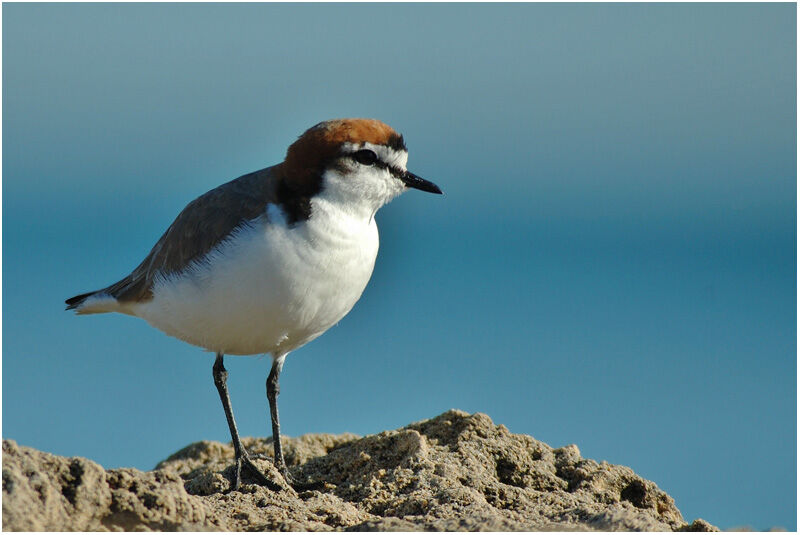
(270, 287)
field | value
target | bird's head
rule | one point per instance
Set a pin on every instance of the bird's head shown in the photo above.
(352, 162)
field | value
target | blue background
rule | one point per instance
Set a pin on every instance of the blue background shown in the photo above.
(613, 263)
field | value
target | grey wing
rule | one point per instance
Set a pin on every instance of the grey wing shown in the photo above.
(203, 224)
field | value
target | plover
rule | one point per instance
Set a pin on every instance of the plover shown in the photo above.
(271, 260)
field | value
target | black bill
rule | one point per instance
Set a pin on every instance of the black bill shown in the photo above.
(413, 181)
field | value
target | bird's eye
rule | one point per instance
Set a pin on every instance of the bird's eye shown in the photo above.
(365, 157)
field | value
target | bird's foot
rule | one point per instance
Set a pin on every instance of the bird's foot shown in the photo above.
(244, 461)
(284, 470)
(279, 465)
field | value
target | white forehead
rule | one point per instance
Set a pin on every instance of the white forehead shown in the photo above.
(388, 155)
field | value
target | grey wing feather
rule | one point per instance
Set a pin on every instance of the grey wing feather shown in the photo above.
(203, 224)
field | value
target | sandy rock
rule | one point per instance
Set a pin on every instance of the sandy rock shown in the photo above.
(455, 472)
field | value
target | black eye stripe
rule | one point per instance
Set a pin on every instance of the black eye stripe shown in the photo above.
(395, 171)
(368, 157)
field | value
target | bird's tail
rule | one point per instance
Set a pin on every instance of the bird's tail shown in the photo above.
(95, 302)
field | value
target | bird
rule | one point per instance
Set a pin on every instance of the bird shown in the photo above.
(271, 260)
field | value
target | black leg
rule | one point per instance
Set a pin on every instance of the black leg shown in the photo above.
(273, 389)
(242, 458)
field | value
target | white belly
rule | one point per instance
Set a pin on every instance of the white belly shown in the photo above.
(270, 288)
